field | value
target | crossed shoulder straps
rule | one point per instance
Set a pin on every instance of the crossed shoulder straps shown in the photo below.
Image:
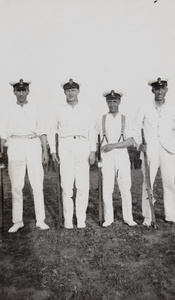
(104, 128)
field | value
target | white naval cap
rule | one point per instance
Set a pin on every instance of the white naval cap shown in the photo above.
(112, 94)
(71, 84)
(158, 82)
(20, 83)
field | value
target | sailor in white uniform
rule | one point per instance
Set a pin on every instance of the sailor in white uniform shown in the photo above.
(115, 159)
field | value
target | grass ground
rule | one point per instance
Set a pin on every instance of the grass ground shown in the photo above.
(95, 263)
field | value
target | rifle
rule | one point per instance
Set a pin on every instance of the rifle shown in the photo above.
(58, 179)
(148, 183)
(99, 180)
(1, 194)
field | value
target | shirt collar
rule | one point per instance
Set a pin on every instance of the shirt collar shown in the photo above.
(69, 105)
(156, 106)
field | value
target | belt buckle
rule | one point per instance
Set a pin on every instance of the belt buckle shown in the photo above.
(77, 136)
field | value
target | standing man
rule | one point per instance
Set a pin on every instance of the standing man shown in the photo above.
(27, 148)
(77, 147)
(115, 159)
(158, 121)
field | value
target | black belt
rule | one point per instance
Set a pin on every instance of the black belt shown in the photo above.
(74, 137)
(78, 137)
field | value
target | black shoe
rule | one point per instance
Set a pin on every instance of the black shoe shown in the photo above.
(169, 222)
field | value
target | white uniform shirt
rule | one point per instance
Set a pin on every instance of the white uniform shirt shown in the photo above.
(21, 120)
(71, 121)
(159, 127)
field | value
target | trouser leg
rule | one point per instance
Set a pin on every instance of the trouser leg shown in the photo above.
(124, 183)
(81, 179)
(168, 179)
(108, 175)
(74, 168)
(36, 176)
(17, 171)
(67, 182)
(82, 189)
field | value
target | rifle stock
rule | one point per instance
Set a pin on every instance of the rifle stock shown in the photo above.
(59, 190)
(99, 181)
(148, 183)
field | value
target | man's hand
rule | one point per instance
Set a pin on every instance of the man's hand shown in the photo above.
(55, 157)
(143, 147)
(92, 158)
(45, 157)
(108, 147)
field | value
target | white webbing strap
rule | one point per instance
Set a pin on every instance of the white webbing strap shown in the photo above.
(104, 128)
(122, 128)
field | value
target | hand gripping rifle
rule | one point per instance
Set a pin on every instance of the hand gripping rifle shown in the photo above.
(58, 179)
(1, 193)
(148, 183)
(99, 180)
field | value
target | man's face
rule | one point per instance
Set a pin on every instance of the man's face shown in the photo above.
(113, 105)
(21, 95)
(71, 94)
(160, 92)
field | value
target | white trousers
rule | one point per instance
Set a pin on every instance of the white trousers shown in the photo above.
(116, 163)
(22, 154)
(166, 162)
(74, 169)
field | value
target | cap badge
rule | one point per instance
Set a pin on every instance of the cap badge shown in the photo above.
(112, 93)
(70, 81)
(21, 82)
(159, 80)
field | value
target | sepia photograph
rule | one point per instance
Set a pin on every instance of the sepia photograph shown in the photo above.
(87, 150)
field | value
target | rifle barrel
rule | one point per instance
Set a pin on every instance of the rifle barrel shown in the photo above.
(58, 184)
(99, 181)
(148, 182)
(99, 150)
